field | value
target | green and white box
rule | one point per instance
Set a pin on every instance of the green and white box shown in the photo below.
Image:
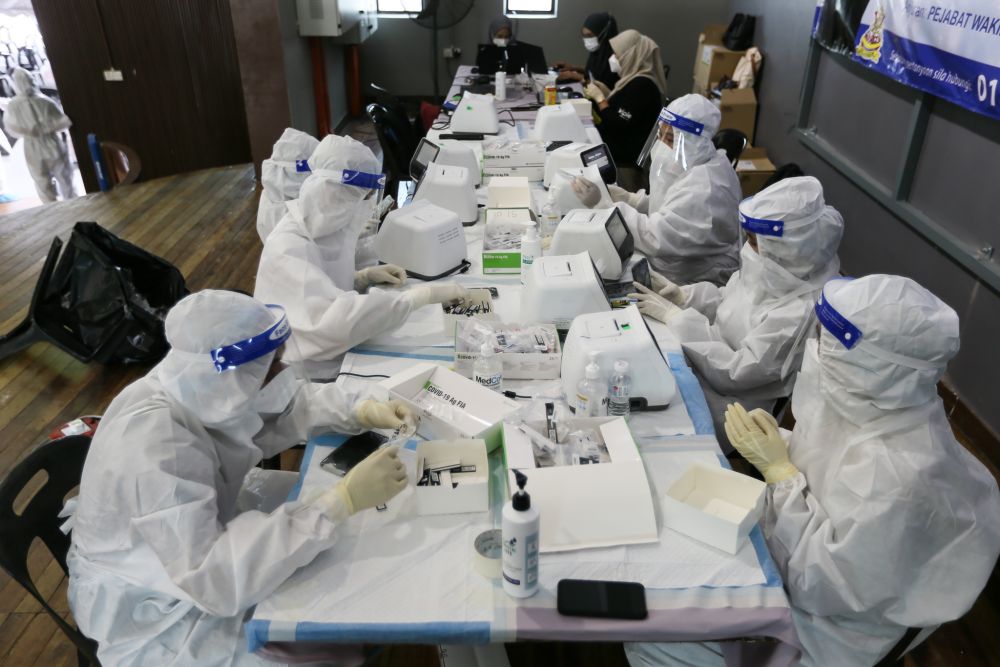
(504, 222)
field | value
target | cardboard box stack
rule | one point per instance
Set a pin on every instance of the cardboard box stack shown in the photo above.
(753, 169)
(712, 62)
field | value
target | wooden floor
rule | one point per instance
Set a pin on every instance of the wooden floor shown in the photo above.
(205, 224)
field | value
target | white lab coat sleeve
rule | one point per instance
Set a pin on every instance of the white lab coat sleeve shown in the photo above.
(316, 408)
(682, 227)
(863, 563)
(326, 321)
(750, 363)
(224, 569)
(703, 297)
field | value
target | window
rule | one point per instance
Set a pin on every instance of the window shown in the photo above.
(400, 6)
(530, 9)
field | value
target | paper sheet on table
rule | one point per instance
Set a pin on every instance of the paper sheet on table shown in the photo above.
(394, 566)
(677, 561)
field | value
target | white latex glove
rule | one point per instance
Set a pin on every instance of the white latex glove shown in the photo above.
(371, 483)
(755, 435)
(619, 194)
(423, 295)
(384, 274)
(593, 92)
(385, 414)
(667, 288)
(588, 193)
(652, 304)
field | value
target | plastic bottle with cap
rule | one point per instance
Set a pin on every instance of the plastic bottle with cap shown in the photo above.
(519, 529)
(620, 390)
(500, 86)
(488, 369)
(531, 247)
(591, 392)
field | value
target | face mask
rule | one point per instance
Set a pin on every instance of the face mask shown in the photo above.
(501, 42)
(614, 65)
(591, 43)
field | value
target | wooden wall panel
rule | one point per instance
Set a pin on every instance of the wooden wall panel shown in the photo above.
(180, 105)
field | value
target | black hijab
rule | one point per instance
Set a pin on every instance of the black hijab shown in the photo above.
(604, 26)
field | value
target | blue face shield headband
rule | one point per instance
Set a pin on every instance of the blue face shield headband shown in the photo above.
(761, 226)
(838, 325)
(681, 123)
(302, 166)
(228, 357)
(361, 179)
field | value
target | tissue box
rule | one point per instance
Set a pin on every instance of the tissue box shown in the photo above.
(509, 221)
(508, 192)
(585, 506)
(477, 297)
(516, 366)
(451, 406)
(472, 493)
(713, 505)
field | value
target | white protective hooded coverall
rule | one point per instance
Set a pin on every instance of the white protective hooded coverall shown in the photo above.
(40, 122)
(282, 175)
(745, 340)
(890, 523)
(162, 565)
(308, 263)
(687, 226)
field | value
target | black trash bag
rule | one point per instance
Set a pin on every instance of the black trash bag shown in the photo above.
(739, 34)
(105, 300)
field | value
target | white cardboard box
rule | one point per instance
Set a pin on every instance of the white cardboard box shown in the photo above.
(472, 494)
(584, 506)
(713, 505)
(508, 192)
(519, 366)
(505, 154)
(461, 408)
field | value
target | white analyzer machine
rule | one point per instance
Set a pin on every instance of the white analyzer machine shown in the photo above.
(558, 288)
(476, 114)
(619, 334)
(426, 240)
(448, 153)
(600, 232)
(451, 188)
(575, 155)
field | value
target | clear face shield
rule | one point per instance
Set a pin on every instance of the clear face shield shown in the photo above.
(675, 144)
(751, 231)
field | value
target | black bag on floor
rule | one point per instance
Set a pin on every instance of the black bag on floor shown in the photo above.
(105, 300)
(739, 34)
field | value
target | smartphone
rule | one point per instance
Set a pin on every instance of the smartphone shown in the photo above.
(602, 599)
(354, 450)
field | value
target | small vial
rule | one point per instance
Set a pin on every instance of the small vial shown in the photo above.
(591, 392)
(550, 215)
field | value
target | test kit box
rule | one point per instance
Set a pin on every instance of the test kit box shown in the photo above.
(451, 406)
(503, 157)
(502, 239)
(458, 490)
(713, 60)
(713, 505)
(508, 192)
(516, 366)
(477, 305)
(753, 169)
(586, 506)
(739, 110)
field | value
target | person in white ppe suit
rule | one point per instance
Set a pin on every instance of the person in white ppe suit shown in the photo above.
(687, 225)
(745, 341)
(40, 122)
(162, 564)
(308, 262)
(281, 176)
(878, 519)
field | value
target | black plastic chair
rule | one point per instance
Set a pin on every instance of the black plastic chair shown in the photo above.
(401, 117)
(63, 461)
(733, 142)
(396, 151)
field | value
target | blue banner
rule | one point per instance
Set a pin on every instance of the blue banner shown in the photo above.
(950, 48)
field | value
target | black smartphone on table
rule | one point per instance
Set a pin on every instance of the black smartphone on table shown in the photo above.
(602, 599)
(354, 450)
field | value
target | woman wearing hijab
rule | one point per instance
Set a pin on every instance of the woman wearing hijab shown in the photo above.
(501, 32)
(630, 108)
(597, 31)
